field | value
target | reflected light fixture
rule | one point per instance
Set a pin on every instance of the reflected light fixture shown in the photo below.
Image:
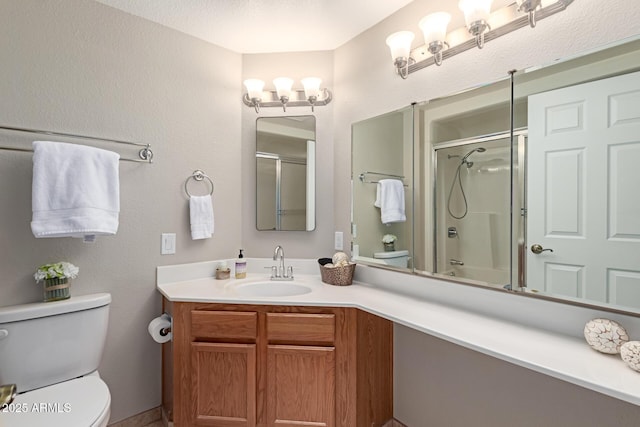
(284, 96)
(254, 92)
(312, 90)
(529, 7)
(434, 29)
(476, 16)
(283, 89)
(480, 25)
(400, 45)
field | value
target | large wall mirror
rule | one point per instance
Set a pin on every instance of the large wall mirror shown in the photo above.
(285, 173)
(529, 184)
(463, 150)
(382, 178)
(579, 236)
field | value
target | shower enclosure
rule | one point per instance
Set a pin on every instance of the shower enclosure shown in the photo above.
(472, 214)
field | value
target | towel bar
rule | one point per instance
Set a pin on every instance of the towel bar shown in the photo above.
(145, 154)
(363, 175)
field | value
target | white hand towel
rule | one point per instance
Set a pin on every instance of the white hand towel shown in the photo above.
(391, 201)
(201, 214)
(75, 191)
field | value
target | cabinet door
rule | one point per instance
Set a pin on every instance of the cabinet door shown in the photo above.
(223, 378)
(300, 386)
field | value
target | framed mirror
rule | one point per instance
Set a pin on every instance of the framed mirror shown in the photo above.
(285, 173)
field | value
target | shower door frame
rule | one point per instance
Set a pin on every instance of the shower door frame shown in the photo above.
(279, 160)
(516, 135)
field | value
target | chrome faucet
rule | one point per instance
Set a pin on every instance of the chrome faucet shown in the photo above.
(280, 272)
(455, 262)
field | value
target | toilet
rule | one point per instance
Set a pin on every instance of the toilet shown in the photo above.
(51, 351)
(394, 258)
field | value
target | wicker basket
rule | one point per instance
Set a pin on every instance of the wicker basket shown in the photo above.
(337, 276)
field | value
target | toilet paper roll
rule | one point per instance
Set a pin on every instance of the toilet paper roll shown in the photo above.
(156, 327)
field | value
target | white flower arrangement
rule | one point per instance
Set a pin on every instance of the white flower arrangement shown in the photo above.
(58, 270)
(389, 238)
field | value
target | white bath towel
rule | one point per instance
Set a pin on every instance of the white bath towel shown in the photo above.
(75, 190)
(390, 200)
(201, 215)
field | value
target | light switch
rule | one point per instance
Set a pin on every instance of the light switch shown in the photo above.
(168, 245)
(338, 241)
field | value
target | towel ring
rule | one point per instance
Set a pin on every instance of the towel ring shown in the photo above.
(197, 175)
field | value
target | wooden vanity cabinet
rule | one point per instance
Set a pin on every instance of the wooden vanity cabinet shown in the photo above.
(256, 365)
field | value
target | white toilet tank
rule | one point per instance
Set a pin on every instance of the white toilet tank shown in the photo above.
(47, 343)
(395, 258)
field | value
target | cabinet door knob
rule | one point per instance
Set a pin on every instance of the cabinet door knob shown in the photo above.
(538, 249)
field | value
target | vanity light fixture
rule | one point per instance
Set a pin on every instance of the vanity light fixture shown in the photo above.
(434, 29)
(529, 7)
(481, 26)
(400, 45)
(254, 92)
(285, 96)
(476, 16)
(283, 89)
(312, 90)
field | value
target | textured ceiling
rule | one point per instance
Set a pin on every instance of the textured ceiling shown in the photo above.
(259, 26)
(263, 26)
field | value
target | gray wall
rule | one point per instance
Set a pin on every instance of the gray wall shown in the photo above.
(79, 66)
(442, 384)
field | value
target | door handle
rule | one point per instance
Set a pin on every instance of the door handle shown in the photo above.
(538, 249)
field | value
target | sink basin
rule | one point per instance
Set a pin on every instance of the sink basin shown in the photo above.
(272, 289)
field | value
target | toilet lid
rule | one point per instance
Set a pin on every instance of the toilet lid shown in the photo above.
(391, 254)
(76, 403)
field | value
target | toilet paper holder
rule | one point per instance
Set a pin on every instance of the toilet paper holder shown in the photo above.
(160, 328)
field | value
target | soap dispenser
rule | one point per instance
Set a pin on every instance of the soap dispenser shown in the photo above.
(241, 266)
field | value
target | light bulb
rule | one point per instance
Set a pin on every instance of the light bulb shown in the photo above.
(400, 44)
(254, 88)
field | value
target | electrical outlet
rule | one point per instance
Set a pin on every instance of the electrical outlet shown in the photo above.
(168, 244)
(338, 241)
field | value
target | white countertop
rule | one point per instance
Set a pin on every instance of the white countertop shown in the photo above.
(559, 355)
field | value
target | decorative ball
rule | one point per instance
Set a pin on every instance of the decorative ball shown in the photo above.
(630, 353)
(605, 336)
(339, 257)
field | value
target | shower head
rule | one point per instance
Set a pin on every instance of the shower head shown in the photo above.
(464, 158)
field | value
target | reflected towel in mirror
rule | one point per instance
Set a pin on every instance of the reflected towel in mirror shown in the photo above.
(390, 200)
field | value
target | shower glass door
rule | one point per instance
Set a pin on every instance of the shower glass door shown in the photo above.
(281, 195)
(472, 209)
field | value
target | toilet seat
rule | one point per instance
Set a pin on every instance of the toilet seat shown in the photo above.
(81, 402)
